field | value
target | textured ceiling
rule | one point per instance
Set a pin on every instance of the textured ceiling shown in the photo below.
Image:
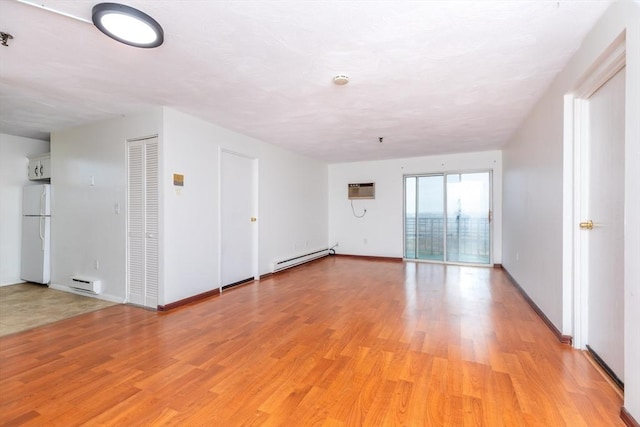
(430, 77)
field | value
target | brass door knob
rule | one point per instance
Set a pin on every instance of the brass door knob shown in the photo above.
(586, 225)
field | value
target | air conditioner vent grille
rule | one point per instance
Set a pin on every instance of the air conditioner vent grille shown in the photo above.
(366, 190)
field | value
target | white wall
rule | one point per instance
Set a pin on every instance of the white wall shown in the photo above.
(85, 227)
(382, 226)
(292, 203)
(533, 169)
(532, 210)
(189, 236)
(14, 151)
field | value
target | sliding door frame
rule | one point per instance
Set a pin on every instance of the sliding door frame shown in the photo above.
(444, 175)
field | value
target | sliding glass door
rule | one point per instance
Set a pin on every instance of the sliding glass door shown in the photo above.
(448, 217)
(424, 213)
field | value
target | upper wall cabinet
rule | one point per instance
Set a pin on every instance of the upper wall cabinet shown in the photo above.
(40, 167)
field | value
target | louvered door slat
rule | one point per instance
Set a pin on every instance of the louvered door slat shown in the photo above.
(142, 223)
(152, 221)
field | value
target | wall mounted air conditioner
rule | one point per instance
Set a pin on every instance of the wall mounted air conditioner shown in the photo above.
(86, 285)
(365, 190)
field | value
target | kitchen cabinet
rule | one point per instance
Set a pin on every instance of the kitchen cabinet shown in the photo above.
(40, 167)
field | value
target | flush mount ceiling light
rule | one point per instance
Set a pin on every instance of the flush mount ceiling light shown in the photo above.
(341, 79)
(127, 25)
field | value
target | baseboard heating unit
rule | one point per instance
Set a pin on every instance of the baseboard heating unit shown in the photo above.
(86, 285)
(301, 259)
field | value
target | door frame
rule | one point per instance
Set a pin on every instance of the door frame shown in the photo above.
(575, 183)
(255, 232)
(444, 183)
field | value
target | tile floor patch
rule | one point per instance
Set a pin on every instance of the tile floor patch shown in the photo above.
(27, 305)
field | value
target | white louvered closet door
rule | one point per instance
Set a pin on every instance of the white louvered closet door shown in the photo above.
(142, 223)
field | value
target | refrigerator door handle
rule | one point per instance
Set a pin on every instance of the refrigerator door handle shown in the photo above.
(41, 231)
(42, 201)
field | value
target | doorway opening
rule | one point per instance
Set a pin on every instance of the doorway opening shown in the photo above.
(447, 217)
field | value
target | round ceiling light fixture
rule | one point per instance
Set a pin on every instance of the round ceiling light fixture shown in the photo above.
(341, 79)
(127, 25)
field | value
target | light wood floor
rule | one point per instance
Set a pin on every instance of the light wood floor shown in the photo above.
(27, 305)
(338, 342)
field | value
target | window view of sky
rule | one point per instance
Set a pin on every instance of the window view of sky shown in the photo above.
(467, 194)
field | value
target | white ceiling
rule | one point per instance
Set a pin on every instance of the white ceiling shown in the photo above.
(430, 77)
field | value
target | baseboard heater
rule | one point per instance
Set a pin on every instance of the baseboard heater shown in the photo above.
(301, 259)
(86, 285)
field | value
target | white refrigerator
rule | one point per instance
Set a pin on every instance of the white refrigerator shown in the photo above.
(36, 233)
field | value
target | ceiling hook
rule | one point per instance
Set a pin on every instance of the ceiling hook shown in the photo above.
(4, 38)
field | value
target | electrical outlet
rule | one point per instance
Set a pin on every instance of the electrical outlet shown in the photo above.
(96, 264)
(517, 256)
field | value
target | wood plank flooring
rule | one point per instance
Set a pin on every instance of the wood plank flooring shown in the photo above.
(338, 342)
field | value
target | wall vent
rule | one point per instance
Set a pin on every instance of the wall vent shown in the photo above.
(86, 285)
(365, 190)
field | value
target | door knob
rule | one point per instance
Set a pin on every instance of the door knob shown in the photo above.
(254, 219)
(586, 225)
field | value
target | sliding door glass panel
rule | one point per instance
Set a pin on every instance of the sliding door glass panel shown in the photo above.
(460, 233)
(430, 214)
(468, 228)
(410, 217)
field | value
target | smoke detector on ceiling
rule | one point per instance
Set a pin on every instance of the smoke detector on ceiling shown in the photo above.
(341, 79)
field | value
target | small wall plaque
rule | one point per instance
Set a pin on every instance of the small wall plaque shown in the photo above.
(178, 180)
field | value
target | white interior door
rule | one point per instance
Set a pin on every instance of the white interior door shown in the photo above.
(142, 223)
(604, 206)
(238, 219)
